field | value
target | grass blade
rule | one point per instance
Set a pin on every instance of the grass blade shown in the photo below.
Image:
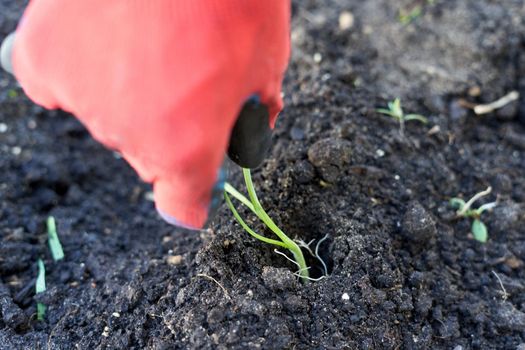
(54, 243)
(417, 117)
(40, 287)
(247, 228)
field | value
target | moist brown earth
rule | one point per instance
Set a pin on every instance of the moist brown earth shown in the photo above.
(404, 272)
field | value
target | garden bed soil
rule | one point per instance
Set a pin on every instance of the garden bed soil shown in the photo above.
(404, 272)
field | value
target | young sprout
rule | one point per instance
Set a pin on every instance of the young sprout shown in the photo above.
(395, 111)
(40, 287)
(464, 210)
(406, 17)
(53, 241)
(255, 206)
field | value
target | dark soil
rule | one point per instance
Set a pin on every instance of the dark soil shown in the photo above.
(404, 273)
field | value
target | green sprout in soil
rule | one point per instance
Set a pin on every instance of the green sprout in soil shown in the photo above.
(54, 242)
(406, 17)
(395, 111)
(40, 287)
(464, 210)
(283, 240)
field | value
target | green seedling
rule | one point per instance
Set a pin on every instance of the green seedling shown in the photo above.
(40, 287)
(11, 93)
(464, 210)
(283, 241)
(53, 241)
(395, 111)
(406, 17)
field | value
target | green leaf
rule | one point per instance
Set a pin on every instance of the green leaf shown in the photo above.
(417, 117)
(11, 93)
(396, 105)
(385, 111)
(407, 18)
(457, 203)
(479, 230)
(247, 228)
(395, 109)
(484, 207)
(53, 241)
(40, 287)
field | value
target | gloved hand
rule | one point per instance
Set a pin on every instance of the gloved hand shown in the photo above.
(165, 82)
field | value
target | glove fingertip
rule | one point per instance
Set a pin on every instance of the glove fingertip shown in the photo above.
(6, 53)
(173, 221)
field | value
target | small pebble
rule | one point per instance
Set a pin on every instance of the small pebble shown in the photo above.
(345, 296)
(149, 196)
(474, 91)
(16, 150)
(174, 259)
(457, 111)
(380, 153)
(346, 20)
(296, 133)
(329, 156)
(304, 171)
(509, 318)
(318, 57)
(418, 225)
(278, 279)
(3, 127)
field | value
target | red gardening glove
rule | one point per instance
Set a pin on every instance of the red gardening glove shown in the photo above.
(160, 81)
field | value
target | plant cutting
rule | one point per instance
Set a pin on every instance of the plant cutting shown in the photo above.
(464, 210)
(252, 203)
(396, 111)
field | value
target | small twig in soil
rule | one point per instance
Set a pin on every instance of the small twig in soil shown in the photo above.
(505, 294)
(491, 107)
(216, 282)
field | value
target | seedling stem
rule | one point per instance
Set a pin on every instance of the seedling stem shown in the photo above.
(255, 206)
(40, 287)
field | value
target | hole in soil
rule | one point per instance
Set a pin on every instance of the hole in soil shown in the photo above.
(319, 268)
